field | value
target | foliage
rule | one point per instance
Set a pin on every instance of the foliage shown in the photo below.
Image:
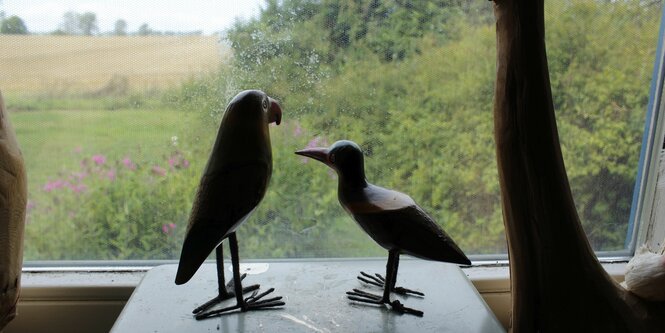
(13, 25)
(419, 76)
(139, 210)
(79, 24)
(120, 28)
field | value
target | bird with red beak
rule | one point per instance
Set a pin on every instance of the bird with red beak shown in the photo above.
(232, 185)
(391, 218)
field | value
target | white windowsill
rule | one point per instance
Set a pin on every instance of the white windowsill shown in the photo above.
(106, 289)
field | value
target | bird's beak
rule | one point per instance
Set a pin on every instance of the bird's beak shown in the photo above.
(319, 154)
(275, 112)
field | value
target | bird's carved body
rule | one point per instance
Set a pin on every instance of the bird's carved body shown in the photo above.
(391, 218)
(394, 221)
(233, 183)
(13, 199)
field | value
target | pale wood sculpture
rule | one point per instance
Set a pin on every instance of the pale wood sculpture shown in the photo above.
(557, 282)
(13, 199)
(645, 275)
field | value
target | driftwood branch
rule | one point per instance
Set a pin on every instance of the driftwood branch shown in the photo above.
(558, 285)
(13, 198)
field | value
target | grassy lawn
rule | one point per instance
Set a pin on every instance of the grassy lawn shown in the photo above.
(55, 142)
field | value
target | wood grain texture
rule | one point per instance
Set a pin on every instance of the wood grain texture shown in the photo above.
(557, 282)
(13, 199)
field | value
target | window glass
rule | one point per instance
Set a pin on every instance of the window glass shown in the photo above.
(116, 106)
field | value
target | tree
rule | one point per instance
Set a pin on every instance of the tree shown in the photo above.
(79, 24)
(120, 28)
(70, 24)
(88, 24)
(144, 30)
(13, 25)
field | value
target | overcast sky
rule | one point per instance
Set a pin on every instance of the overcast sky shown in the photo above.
(162, 15)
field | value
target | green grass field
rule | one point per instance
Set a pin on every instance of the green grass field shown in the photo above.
(54, 142)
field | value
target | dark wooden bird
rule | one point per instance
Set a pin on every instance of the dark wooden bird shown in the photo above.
(233, 183)
(391, 218)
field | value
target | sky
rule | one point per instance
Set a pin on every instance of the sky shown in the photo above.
(162, 15)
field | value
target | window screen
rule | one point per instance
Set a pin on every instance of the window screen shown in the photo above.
(116, 106)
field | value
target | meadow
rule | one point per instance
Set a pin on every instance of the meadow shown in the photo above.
(65, 137)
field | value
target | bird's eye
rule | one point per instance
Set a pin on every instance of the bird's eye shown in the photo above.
(265, 104)
(332, 158)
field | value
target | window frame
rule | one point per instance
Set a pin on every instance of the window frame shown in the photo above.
(644, 216)
(101, 282)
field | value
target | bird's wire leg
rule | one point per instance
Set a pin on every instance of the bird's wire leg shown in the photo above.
(378, 280)
(225, 291)
(369, 298)
(253, 302)
(229, 294)
(391, 275)
(402, 290)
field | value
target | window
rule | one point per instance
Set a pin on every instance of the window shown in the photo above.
(116, 107)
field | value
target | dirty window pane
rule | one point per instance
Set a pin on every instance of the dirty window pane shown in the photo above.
(116, 106)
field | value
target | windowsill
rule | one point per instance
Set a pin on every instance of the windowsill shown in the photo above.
(111, 287)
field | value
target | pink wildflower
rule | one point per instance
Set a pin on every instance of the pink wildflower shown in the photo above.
(78, 149)
(168, 228)
(78, 188)
(78, 176)
(178, 161)
(314, 142)
(128, 163)
(99, 159)
(111, 175)
(54, 185)
(159, 171)
(297, 131)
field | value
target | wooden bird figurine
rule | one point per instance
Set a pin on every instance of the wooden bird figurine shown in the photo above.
(233, 183)
(13, 200)
(389, 217)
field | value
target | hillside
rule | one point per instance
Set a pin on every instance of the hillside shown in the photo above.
(87, 63)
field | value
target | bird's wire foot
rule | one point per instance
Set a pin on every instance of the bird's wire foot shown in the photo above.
(363, 296)
(222, 297)
(369, 298)
(399, 307)
(253, 302)
(379, 281)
